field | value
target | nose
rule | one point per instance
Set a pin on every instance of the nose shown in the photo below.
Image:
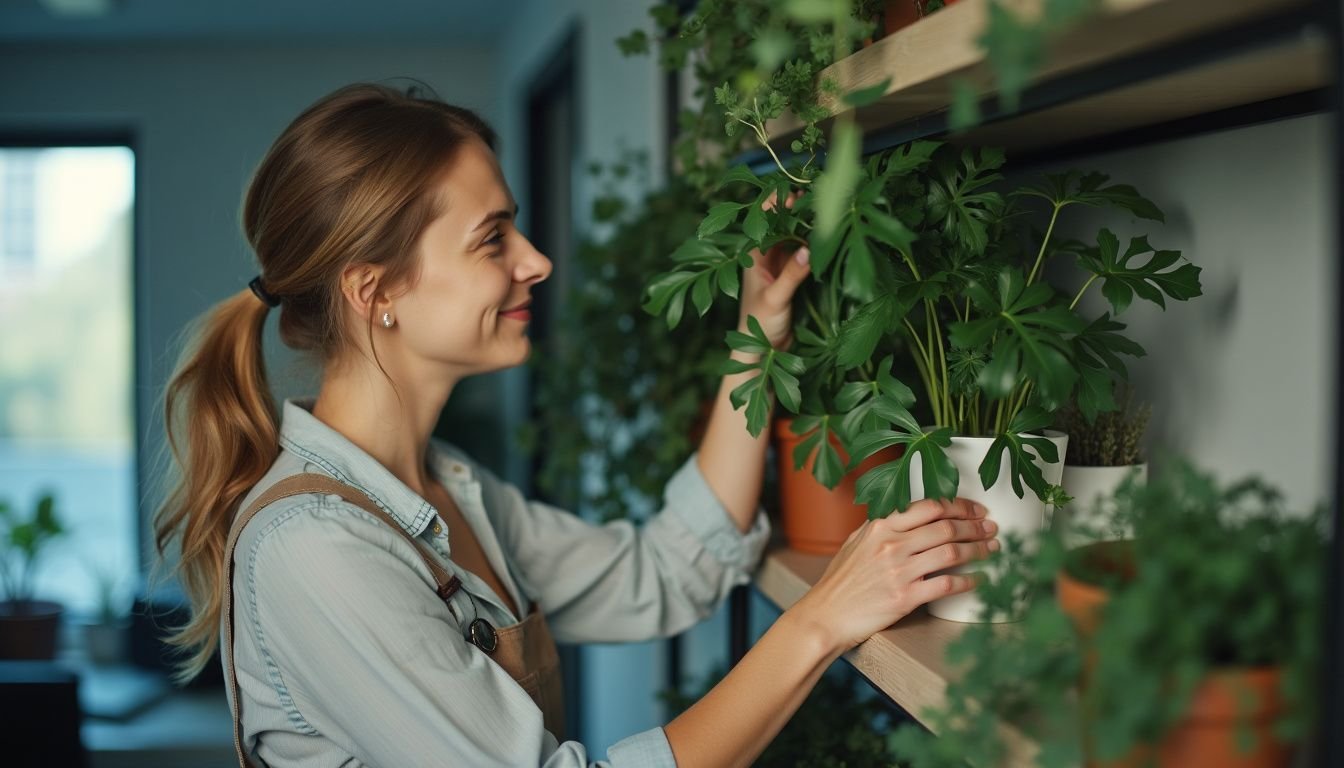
(532, 265)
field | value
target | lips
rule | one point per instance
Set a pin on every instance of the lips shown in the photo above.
(520, 312)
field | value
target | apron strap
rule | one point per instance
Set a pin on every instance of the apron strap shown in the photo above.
(445, 583)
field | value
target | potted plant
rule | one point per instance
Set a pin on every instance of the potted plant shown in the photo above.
(1196, 643)
(28, 627)
(928, 259)
(105, 634)
(1102, 453)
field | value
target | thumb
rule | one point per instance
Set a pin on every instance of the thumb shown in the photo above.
(795, 271)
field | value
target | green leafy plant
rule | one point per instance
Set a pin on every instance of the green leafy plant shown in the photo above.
(1111, 439)
(931, 261)
(834, 727)
(621, 393)
(1222, 577)
(24, 540)
(919, 259)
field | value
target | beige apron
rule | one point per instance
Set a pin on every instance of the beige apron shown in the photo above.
(525, 650)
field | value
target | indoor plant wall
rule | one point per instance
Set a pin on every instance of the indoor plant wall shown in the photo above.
(28, 627)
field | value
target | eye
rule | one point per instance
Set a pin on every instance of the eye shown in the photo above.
(495, 238)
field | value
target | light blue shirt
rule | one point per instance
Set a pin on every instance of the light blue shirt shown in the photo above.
(346, 657)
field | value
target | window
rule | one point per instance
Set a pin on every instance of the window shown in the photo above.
(66, 396)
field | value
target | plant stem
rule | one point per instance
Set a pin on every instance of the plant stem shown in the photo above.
(945, 390)
(764, 139)
(1083, 290)
(1046, 241)
(923, 362)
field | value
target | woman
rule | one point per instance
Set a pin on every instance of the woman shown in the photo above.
(386, 237)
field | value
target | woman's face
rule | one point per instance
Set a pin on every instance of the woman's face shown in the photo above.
(468, 308)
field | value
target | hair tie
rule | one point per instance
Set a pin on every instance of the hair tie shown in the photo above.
(266, 298)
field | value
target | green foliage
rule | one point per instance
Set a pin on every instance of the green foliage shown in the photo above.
(21, 543)
(836, 726)
(931, 266)
(1221, 577)
(622, 392)
(916, 252)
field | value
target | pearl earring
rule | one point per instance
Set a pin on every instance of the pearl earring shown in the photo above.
(387, 319)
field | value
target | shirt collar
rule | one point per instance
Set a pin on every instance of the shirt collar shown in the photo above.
(307, 436)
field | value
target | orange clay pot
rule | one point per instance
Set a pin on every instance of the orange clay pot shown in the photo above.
(817, 519)
(1209, 735)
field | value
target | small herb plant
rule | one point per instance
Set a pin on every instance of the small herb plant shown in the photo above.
(23, 541)
(1224, 577)
(1111, 439)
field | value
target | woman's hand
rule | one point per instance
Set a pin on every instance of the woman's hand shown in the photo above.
(769, 284)
(877, 578)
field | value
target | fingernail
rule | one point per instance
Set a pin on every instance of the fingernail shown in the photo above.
(979, 508)
(988, 526)
(802, 255)
(993, 545)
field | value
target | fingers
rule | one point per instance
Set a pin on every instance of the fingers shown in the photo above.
(773, 200)
(950, 555)
(925, 511)
(779, 293)
(944, 585)
(947, 530)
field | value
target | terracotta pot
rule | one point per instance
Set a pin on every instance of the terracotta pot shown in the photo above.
(1209, 735)
(899, 14)
(817, 519)
(30, 634)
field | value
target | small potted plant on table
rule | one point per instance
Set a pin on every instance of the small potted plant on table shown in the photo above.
(28, 627)
(1102, 454)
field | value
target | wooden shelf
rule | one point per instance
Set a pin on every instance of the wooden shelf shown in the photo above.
(1138, 63)
(906, 661)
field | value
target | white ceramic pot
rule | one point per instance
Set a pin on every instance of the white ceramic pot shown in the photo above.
(1090, 488)
(1024, 516)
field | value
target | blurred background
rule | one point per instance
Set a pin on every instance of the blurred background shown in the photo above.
(129, 130)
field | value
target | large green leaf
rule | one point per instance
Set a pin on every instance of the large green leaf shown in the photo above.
(866, 404)
(1024, 337)
(1021, 464)
(827, 467)
(1097, 352)
(860, 334)
(1073, 187)
(886, 488)
(1122, 277)
(720, 216)
(957, 195)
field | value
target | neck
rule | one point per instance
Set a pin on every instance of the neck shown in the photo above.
(363, 406)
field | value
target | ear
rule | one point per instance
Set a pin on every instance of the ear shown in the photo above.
(359, 286)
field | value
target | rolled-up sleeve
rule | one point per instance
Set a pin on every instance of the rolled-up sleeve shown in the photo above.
(622, 582)
(360, 650)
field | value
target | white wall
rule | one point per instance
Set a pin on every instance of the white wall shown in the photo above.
(202, 117)
(1240, 378)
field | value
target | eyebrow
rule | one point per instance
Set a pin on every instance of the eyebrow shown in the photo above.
(500, 215)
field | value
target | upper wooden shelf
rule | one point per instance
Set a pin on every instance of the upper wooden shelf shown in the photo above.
(1206, 56)
(905, 661)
